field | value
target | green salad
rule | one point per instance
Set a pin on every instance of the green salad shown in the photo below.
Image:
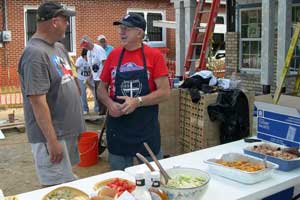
(185, 181)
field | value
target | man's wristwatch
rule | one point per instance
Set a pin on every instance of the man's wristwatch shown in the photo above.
(140, 101)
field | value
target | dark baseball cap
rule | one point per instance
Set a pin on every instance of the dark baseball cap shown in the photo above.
(132, 20)
(51, 9)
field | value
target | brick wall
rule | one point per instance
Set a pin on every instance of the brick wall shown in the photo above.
(290, 80)
(250, 81)
(232, 53)
(93, 18)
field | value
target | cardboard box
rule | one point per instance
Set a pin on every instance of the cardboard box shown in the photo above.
(279, 123)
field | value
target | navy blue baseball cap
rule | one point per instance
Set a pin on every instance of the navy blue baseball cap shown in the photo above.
(132, 20)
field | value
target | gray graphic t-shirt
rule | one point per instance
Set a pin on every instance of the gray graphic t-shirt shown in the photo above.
(45, 69)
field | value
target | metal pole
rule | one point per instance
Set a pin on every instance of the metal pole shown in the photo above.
(230, 15)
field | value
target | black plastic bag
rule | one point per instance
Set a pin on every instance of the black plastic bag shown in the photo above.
(194, 84)
(232, 110)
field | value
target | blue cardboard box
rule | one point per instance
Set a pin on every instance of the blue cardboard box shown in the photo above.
(279, 123)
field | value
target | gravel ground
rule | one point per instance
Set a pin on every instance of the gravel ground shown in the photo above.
(17, 172)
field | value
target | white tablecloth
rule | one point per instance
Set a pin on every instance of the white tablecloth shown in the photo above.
(220, 188)
(86, 185)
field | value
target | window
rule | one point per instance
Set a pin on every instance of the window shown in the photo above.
(30, 27)
(31, 23)
(250, 42)
(220, 20)
(295, 62)
(218, 42)
(155, 36)
(296, 14)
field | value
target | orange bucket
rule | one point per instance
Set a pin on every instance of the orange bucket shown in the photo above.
(88, 149)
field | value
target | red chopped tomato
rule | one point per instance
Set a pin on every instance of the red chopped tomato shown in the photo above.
(121, 185)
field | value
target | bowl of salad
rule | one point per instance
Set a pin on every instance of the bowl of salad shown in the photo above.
(186, 183)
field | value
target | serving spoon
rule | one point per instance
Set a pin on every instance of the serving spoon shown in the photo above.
(265, 162)
(142, 158)
(162, 170)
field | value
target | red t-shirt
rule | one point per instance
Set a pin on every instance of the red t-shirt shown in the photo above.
(156, 65)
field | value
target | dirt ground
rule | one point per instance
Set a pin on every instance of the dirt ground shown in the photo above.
(17, 172)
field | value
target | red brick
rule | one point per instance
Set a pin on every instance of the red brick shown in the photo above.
(94, 17)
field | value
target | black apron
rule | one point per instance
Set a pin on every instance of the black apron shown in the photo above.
(126, 134)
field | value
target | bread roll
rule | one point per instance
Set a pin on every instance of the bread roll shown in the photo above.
(107, 193)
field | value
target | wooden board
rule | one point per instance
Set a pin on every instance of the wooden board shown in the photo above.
(93, 117)
(169, 125)
(18, 125)
(197, 130)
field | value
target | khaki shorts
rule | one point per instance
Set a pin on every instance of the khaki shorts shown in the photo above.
(53, 174)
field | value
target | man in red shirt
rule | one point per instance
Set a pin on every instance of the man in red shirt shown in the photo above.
(137, 78)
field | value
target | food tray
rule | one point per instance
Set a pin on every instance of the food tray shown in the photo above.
(78, 193)
(239, 175)
(283, 165)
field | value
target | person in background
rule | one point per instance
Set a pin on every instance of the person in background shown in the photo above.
(103, 43)
(137, 76)
(85, 77)
(95, 56)
(51, 99)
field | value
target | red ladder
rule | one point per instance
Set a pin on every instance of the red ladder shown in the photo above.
(213, 12)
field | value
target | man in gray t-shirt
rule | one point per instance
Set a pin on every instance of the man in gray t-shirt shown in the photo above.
(52, 107)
